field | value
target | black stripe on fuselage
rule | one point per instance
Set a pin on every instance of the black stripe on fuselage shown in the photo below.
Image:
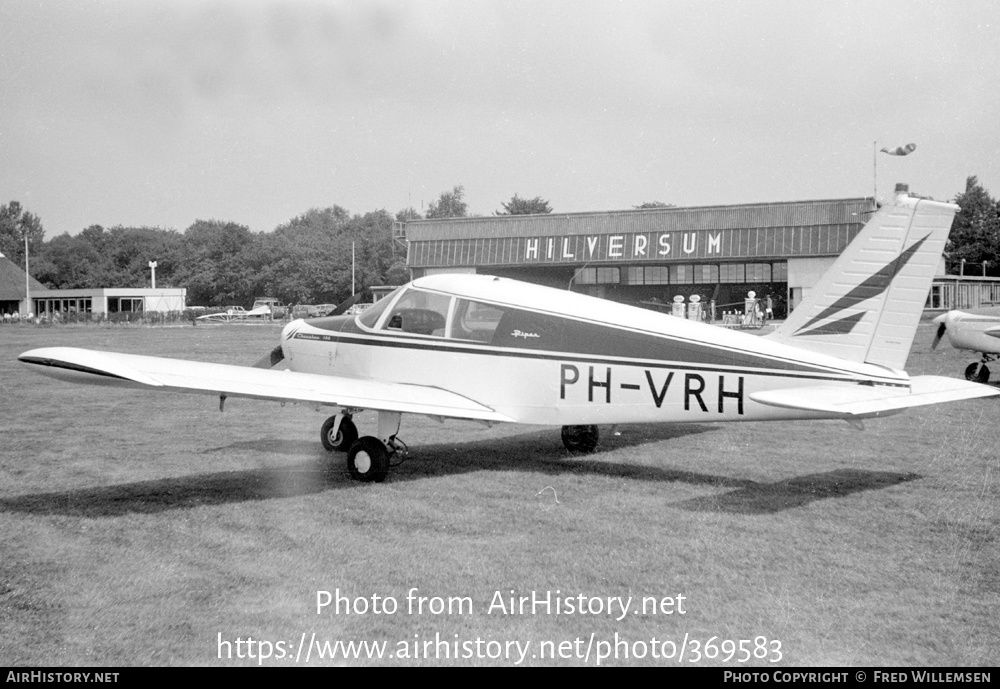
(544, 332)
(54, 363)
(350, 333)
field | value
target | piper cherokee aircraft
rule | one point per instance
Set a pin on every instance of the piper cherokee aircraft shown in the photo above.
(496, 350)
(977, 330)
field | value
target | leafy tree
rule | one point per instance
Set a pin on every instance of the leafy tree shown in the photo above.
(407, 214)
(130, 249)
(654, 204)
(398, 274)
(213, 264)
(70, 263)
(975, 231)
(15, 223)
(519, 206)
(449, 205)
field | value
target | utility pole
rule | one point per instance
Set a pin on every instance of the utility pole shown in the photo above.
(152, 266)
(27, 278)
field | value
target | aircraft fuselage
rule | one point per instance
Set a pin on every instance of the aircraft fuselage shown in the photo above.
(576, 361)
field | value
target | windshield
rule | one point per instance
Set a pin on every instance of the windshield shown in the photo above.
(370, 317)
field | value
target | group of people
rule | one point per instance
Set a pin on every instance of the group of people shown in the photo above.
(14, 317)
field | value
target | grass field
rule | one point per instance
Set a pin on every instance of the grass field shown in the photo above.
(140, 528)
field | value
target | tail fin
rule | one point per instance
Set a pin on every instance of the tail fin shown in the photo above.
(866, 307)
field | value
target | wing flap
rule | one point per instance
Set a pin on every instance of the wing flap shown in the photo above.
(131, 370)
(867, 401)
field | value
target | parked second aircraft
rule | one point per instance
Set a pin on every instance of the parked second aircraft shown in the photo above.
(977, 330)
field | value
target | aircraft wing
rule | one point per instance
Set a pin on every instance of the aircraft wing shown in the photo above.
(862, 401)
(223, 316)
(135, 371)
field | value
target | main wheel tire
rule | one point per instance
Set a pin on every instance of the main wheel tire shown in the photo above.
(368, 460)
(581, 439)
(346, 435)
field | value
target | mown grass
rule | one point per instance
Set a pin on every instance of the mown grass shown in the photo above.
(136, 527)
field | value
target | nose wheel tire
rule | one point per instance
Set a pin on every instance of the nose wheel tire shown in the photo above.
(977, 372)
(343, 439)
(368, 460)
(582, 439)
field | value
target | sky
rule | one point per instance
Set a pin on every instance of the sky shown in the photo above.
(159, 114)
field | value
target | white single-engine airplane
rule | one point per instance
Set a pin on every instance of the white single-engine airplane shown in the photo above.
(496, 350)
(978, 331)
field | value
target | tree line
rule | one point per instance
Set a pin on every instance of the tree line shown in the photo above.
(317, 257)
(308, 260)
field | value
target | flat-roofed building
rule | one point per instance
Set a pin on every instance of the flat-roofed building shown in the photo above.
(101, 301)
(651, 255)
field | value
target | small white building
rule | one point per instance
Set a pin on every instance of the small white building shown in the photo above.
(109, 300)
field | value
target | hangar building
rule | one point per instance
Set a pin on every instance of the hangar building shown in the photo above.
(651, 255)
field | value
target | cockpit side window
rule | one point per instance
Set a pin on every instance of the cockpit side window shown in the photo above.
(420, 313)
(475, 321)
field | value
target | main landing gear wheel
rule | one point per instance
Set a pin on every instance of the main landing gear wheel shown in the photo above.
(581, 439)
(977, 372)
(343, 439)
(368, 460)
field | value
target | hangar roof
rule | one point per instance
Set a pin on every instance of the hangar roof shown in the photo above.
(753, 215)
(756, 232)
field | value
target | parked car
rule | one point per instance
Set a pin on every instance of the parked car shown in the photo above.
(267, 306)
(303, 311)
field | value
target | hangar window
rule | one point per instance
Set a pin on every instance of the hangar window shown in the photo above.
(732, 272)
(706, 274)
(598, 276)
(758, 272)
(648, 275)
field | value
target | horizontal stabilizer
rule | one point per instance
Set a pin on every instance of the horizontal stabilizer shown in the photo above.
(862, 401)
(135, 371)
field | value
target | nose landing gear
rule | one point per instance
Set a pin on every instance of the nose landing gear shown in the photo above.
(977, 371)
(338, 433)
(368, 457)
